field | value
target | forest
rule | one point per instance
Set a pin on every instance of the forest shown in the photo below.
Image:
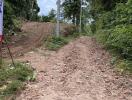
(17, 10)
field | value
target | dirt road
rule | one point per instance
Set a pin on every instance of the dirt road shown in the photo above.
(79, 71)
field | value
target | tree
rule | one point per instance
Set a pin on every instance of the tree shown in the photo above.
(72, 10)
(17, 9)
(24, 8)
(50, 17)
(52, 14)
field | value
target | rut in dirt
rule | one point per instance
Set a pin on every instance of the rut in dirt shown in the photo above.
(79, 71)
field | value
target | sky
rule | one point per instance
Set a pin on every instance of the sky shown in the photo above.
(46, 6)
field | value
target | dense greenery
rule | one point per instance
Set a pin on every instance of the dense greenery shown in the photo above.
(112, 24)
(72, 10)
(51, 17)
(14, 10)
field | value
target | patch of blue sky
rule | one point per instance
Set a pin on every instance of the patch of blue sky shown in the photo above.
(46, 6)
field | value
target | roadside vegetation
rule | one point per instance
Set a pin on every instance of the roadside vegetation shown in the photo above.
(12, 79)
(52, 42)
(110, 21)
(112, 26)
(16, 11)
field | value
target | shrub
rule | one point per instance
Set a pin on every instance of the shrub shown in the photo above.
(54, 43)
(12, 87)
(125, 66)
(121, 40)
(114, 29)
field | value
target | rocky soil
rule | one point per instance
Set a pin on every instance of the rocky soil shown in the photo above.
(79, 71)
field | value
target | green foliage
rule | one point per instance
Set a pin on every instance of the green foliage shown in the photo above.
(72, 10)
(102, 36)
(17, 9)
(121, 40)
(8, 17)
(129, 2)
(118, 34)
(125, 66)
(113, 27)
(50, 17)
(12, 87)
(52, 14)
(87, 30)
(76, 35)
(12, 78)
(45, 19)
(54, 43)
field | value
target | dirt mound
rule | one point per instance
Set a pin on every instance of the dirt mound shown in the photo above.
(79, 71)
(32, 35)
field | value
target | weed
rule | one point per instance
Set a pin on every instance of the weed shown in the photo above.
(12, 79)
(54, 43)
(124, 66)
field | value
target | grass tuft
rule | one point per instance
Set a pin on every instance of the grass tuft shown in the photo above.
(124, 66)
(12, 79)
(54, 43)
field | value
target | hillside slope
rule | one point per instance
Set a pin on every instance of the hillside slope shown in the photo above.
(31, 36)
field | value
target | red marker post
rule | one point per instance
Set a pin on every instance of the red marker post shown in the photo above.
(1, 29)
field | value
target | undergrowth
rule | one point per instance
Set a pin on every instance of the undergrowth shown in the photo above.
(113, 28)
(12, 79)
(54, 43)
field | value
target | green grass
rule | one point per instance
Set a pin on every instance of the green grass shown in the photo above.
(12, 79)
(54, 43)
(124, 66)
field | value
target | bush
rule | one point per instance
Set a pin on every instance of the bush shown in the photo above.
(87, 30)
(102, 36)
(120, 25)
(54, 43)
(12, 87)
(121, 40)
(114, 29)
(69, 30)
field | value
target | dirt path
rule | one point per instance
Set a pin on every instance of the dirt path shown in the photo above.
(79, 71)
